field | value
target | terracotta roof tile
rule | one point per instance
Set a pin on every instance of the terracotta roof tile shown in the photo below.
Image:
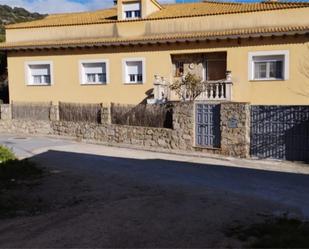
(167, 11)
(221, 8)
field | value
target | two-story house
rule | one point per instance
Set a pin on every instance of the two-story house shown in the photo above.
(116, 55)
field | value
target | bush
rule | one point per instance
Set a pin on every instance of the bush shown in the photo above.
(13, 170)
(6, 155)
(189, 87)
(14, 176)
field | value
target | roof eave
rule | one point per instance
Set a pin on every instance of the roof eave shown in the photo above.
(153, 41)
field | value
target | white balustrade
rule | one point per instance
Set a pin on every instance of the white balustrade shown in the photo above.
(220, 90)
(216, 90)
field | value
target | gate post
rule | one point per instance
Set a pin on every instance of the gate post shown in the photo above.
(106, 114)
(235, 129)
(54, 112)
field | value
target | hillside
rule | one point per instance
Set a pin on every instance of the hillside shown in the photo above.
(10, 15)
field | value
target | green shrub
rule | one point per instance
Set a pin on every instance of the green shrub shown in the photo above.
(12, 170)
(6, 155)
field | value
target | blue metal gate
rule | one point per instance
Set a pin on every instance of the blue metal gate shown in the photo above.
(280, 132)
(207, 125)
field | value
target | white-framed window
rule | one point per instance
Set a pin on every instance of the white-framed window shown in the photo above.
(132, 10)
(269, 65)
(94, 72)
(134, 71)
(39, 73)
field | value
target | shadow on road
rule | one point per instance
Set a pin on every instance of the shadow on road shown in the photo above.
(103, 201)
(266, 184)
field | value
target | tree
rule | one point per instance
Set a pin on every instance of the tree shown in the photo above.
(189, 87)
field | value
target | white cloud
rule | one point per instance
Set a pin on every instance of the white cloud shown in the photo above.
(58, 6)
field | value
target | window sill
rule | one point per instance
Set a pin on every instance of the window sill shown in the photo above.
(135, 83)
(267, 80)
(38, 85)
(93, 84)
(131, 18)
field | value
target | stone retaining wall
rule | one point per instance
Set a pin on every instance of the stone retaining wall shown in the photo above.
(235, 141)
(116, 134)
(26, 127)
(235, 129)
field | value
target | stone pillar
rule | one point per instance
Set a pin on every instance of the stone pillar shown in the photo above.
(235, 129)
(183, 124)
(6, 112)
(54, 113)
(106, 117)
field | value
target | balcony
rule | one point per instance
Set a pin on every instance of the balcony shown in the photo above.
(220, 90)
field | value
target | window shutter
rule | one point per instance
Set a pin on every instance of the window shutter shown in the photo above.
(135, 67)
(94, 68)
(40, 69)
(134, 71)
(131, 6)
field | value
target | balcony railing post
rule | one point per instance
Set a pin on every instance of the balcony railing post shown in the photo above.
(217, 90)
(217, 93)
(211, 91)
(228, 91)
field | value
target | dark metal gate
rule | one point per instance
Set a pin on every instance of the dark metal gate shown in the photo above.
(207, 125)
(280, 132)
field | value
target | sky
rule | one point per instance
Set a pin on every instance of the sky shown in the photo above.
(58, 6)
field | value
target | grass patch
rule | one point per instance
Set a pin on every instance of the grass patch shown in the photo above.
(274, 233)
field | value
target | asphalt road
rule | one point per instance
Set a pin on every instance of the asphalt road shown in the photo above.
(239, 176)
(147, 199)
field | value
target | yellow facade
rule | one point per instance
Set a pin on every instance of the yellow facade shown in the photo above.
(140, 28)
(67, 87)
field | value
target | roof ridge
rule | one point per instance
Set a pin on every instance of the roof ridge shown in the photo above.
(81, 12)
(284, 2)
(169, 11)
(274, 2)
(223, 2)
